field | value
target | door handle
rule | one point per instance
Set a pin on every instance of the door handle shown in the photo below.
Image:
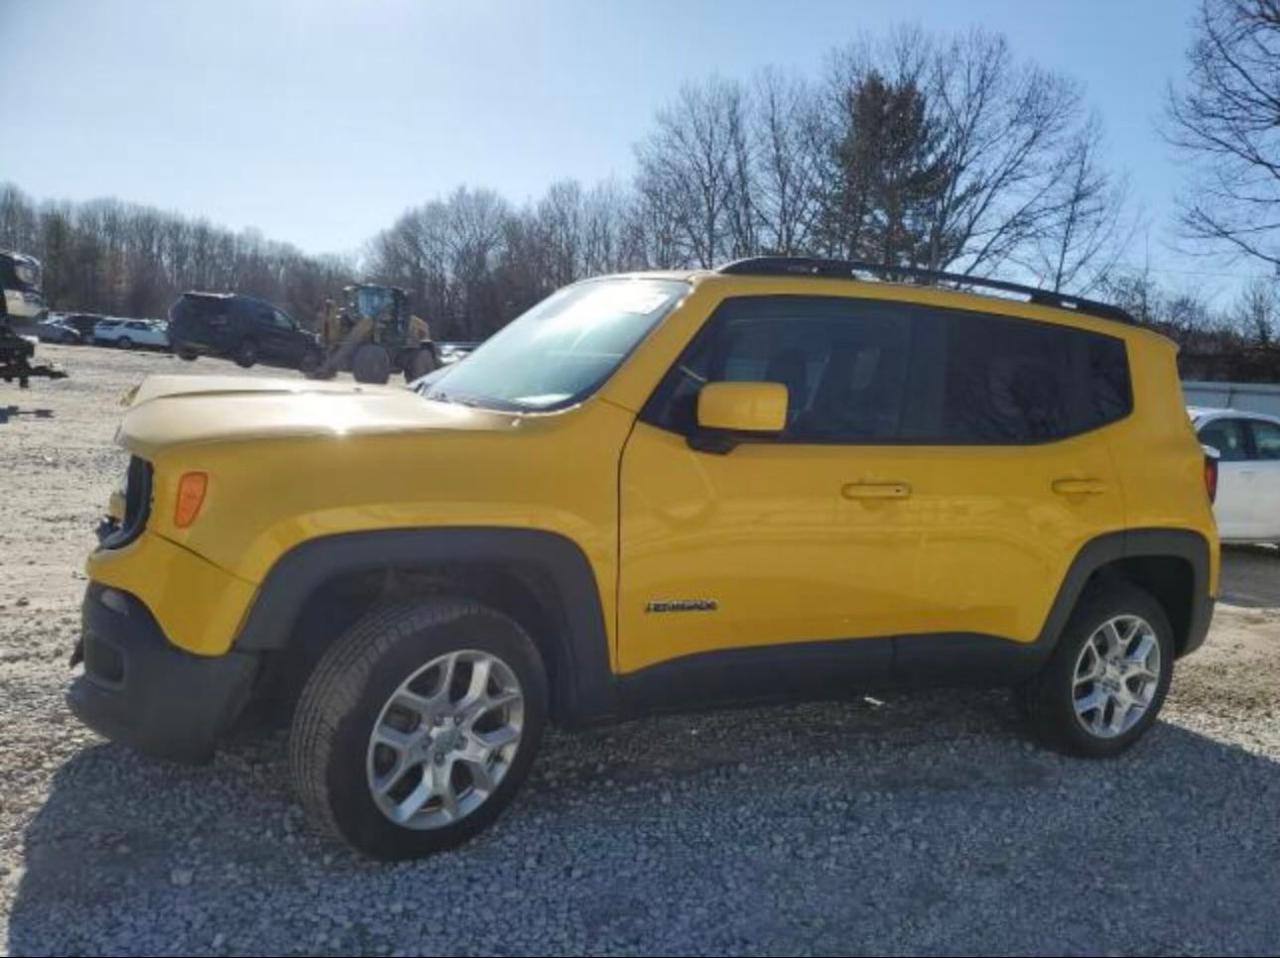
(1079, 487)
(876, 490)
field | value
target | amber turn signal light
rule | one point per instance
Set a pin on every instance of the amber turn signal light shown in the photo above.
(191, 490)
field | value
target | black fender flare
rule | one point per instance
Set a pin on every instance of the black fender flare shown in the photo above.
(1132, 544)
(589, 687)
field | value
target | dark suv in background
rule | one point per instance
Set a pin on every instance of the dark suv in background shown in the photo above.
(241, 328)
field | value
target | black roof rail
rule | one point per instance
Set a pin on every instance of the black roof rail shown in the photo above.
(847, 269)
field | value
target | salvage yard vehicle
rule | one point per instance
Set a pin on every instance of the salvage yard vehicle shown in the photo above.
(21, 307)
(82, 323)
(376, 335)
(57, 331)
(1247, 447)
(241, 328)
(131, 333)
(786, 478)
(21, 297)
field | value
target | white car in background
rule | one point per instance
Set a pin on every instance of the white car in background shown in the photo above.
(128, 333)
(1247, 445)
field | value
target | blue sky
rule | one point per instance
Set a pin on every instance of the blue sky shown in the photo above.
(319, 121)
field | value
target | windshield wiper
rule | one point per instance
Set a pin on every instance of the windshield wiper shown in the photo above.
(474, 402)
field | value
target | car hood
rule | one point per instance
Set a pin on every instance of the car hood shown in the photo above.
(166, 411)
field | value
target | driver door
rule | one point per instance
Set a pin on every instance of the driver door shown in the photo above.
(793, 540)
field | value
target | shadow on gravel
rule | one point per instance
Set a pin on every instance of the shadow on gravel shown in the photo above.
(1251, 576)
(13, 412)
(922, 824)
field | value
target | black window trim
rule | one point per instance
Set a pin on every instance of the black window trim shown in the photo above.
(722, 441)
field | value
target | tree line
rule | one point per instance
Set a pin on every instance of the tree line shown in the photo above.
(124, 259)
(914, 149)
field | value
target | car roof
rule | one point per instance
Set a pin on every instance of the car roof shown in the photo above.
(960, 291)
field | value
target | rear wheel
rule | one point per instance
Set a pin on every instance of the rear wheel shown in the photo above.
(124, 342)
(418, 726)
(371, 364)
(246, 353)
(1107, 679)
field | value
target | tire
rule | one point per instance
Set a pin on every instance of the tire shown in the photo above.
(335, 764)
(310, 362)
(189, 355)
(371, 364)
(418, 363)
(124, 342)
(246, 354)
(1052, 700)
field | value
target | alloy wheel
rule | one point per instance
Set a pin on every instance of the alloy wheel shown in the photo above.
(1116, 676)
(445, 739)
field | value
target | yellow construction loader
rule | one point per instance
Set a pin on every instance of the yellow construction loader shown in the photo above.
(373, 334)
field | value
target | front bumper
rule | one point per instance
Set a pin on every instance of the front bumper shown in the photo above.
(139, 689)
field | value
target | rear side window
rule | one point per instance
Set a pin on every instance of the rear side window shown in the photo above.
(1230, 437)
(866, 371)
(991, 380)
(198, 307)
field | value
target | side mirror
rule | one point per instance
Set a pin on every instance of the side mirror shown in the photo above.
(728, 409)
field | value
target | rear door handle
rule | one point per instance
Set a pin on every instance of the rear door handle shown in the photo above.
(1079, 487)
(876, 490)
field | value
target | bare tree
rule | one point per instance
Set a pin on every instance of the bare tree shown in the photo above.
(953, 139)
(788, 147)
(1089, 228)
(693, 176)
(1007, 126)
(1255, 313)
(1227, 123)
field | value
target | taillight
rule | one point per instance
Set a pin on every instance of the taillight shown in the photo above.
(1211, 477)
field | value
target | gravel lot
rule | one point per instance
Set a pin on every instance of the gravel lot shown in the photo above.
(922, 823)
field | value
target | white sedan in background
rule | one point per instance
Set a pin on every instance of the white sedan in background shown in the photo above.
(1248, 446)
(128, 333)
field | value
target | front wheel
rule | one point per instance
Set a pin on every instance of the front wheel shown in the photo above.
(371, 364)
(246, 353)
(419, 363)
(1108, 676)
(124, 342)
(309, 362)
(418, 726)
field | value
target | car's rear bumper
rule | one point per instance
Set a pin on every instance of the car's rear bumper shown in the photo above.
(139, 689)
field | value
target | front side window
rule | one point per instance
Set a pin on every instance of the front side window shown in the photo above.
(563, 349)
(1266, 439)
(868, 371)
(845, 374)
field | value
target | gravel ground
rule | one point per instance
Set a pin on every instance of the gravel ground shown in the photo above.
(921, 823)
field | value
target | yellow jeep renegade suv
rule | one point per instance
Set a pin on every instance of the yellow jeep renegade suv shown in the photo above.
(783, 478)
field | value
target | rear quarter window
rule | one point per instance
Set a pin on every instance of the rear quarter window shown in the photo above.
(981, 379)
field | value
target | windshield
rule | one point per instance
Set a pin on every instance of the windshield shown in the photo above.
(563, 349)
